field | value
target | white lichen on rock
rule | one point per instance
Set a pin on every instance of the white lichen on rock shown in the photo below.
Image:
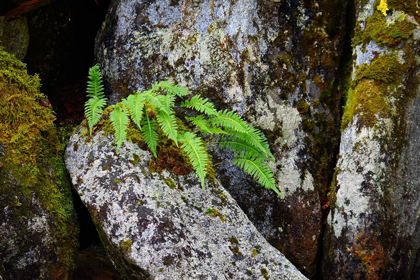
(155, 220)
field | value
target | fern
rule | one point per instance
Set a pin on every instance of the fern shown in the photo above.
(168, 125)
(255, 138)
(197, 153)
(200, 104)
(148, 127)
(231, 120)
(152, 112)
(170, 88)
(135, 104)
(240, 147)
(95, 104)
(95, 87)
(205, 126)
(259, 170)
(157, 101)
(93, 111)
(119, 119)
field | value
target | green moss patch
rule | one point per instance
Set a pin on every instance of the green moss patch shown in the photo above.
(388, 33)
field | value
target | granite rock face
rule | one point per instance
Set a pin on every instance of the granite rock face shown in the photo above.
(165, 226)
(275, 63)
(373, 228)
(38, 226)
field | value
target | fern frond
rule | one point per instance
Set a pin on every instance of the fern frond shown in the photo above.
(241, 148)
(194, 147)
(168, 101)
(93, 111)
(202, 105)
(150, 135)
(119, 120)
(135, 104)
(170, 88)
(94, 84)
(231, 120)
(168, 125)
(260, 171)
(255, 138)
(157, 101)
(205, 126)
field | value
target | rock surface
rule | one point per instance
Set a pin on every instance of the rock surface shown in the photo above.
(275, 63)
(14, 36)
(373, 228)
(164, 226)
(38, 229)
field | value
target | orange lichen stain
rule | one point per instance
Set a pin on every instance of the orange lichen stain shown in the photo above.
(369, 256)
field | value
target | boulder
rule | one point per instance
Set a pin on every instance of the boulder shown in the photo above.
(275, 63)
(158, 225)
(373, 228)
(14, 36)
(38, 226)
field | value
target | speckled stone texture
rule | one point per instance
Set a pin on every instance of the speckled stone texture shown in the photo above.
(373, 229)
(275, 63)
(164, 226)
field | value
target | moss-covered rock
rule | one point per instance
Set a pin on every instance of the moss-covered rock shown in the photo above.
(38, 234)
(373, 228)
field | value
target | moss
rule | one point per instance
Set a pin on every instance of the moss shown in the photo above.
(136, 159)
(125, 245)
(212, 212)
(385, 33)
(185, 200)
(33, 166)
(384, 68)
(302, 106)
(249, 272)
(265, 273)
(170, 183)
(233, 240)
(198, 208)
(254, 253)
(371, 98)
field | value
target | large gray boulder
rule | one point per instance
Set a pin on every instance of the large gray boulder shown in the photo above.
(373, 228)
(165, 226)
(275, 63)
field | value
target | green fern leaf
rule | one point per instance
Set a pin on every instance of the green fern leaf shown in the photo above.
(168, 101)
(241, 148)
(168, 125)
(255, 138)
(202, 105)
(194, 147)
(119, 120)
(150, 135)
(95, 87)
(95, 104)
(157, 101)
(135, 104)
(205, 126)
(260, 171)
(170, 88)
(93, 111)
(231, 120)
